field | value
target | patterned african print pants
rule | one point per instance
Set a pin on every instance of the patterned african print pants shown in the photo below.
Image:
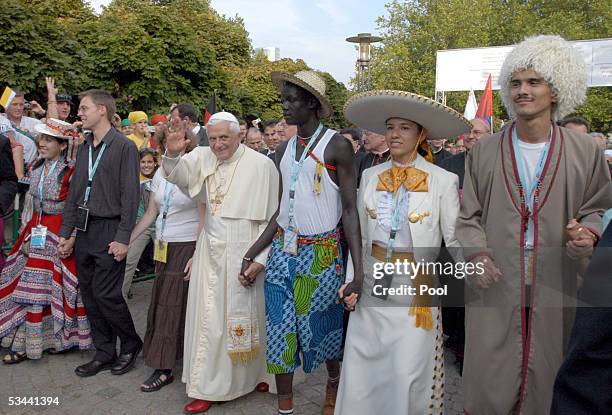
(301, 310)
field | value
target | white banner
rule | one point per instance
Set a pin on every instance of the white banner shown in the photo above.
(465, 69)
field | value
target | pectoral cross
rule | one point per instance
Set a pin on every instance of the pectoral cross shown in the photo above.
(216, 203)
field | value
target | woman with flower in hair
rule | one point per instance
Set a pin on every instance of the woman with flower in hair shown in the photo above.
(40, 303)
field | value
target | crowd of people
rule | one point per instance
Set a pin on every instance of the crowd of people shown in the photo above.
(271, 240)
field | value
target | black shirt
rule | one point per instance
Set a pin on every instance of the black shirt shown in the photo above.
(115, 188)
(8, 178)
(455, 164)
(441, 155)
(369, 160)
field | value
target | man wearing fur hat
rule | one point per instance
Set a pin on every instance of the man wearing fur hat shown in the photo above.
(526, 196)
(305, 268)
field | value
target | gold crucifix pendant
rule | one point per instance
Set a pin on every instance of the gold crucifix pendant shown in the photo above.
(216, 203)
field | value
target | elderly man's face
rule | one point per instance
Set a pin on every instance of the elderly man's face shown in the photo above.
(480, 128)
(374, 142)
(222, 140)
(437, 143)
(254, 140)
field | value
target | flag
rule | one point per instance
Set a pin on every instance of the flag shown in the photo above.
(470, 106)
(7, 97)
(485, 108)
(211, 108)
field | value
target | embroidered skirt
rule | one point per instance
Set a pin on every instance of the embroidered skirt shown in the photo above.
(301, 310)
(40, 303)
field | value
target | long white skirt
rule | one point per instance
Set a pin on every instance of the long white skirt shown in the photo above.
(390, 366)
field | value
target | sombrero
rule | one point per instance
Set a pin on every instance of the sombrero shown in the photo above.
(371, 110)
(58, 129)
(310, 81)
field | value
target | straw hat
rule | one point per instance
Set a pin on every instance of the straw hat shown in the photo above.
(58, 129)
(371, 110)
(308, 80)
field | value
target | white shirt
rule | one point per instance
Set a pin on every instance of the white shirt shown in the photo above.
(530, 155)
(182, 220)
(314, 213)
(30, 152)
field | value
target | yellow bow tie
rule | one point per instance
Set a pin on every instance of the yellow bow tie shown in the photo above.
(413, 179)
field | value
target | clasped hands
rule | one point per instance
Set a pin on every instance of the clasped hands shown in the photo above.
(249, 271)
(579, 245)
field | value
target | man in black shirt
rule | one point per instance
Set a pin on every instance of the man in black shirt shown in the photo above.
(437, 148)
(376, 149)
(102, 204)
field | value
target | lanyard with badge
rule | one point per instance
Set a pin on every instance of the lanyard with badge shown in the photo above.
(386, 279)
(39, 232)
(529, 188)
(291, 233)
(160, 253)
(83, 210)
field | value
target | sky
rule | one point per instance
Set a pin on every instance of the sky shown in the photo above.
(312, 30)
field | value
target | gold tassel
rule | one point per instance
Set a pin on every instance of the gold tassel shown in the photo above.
(423, 316)
(317, 178)
(244, 358)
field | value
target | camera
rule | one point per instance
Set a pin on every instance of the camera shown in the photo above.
(27, 105)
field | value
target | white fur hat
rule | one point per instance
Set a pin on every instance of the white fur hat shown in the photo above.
(555, 60)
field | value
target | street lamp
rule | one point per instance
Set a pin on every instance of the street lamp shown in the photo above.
(364, 78)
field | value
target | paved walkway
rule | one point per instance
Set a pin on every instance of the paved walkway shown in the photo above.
(53, 376)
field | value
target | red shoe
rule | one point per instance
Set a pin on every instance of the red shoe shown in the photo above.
(262, 387)
(197, 406)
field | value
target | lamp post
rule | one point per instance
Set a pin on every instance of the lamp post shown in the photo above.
(364, 78)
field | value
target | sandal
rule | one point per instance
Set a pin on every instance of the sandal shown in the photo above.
(55, 351)
(156, 381)
(13, 358)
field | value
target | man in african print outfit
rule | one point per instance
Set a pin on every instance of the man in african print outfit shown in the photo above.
(304, 270)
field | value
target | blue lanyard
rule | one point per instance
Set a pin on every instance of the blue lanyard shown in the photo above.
(41, 186)
(296, 168)
(92, 170)
(165, 207)
(529, 188)
(395, 221)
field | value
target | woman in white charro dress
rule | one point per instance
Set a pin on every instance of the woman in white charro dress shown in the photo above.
(393, 359)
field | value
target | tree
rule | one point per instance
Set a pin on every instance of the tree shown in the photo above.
(414, 30)
(35, 44)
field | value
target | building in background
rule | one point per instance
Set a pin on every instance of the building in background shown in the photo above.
(271, 52)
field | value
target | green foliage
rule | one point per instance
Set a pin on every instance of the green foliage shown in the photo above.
(147, 53)
(414, 30)
(37, 45)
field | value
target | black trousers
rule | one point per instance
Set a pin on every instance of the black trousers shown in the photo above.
(100, 279)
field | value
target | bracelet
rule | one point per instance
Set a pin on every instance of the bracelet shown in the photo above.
(247, 259)
(51, 102)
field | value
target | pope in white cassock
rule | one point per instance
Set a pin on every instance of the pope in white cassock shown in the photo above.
(225, 337)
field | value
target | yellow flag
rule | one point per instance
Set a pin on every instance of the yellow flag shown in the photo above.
(7, 97)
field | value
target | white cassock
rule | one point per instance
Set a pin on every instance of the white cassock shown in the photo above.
(247, 190)
(390, 366)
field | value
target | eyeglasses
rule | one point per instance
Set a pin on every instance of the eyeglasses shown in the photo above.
(147, 150)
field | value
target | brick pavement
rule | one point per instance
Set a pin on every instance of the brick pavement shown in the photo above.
(107, 394)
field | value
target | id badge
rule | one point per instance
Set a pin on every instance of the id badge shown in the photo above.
(381, 285)
(160, 253)
(82, 218)
(290, 241)
(39, 237)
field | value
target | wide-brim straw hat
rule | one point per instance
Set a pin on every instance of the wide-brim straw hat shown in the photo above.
(371, 110)
(311, 82)
(58, 129)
